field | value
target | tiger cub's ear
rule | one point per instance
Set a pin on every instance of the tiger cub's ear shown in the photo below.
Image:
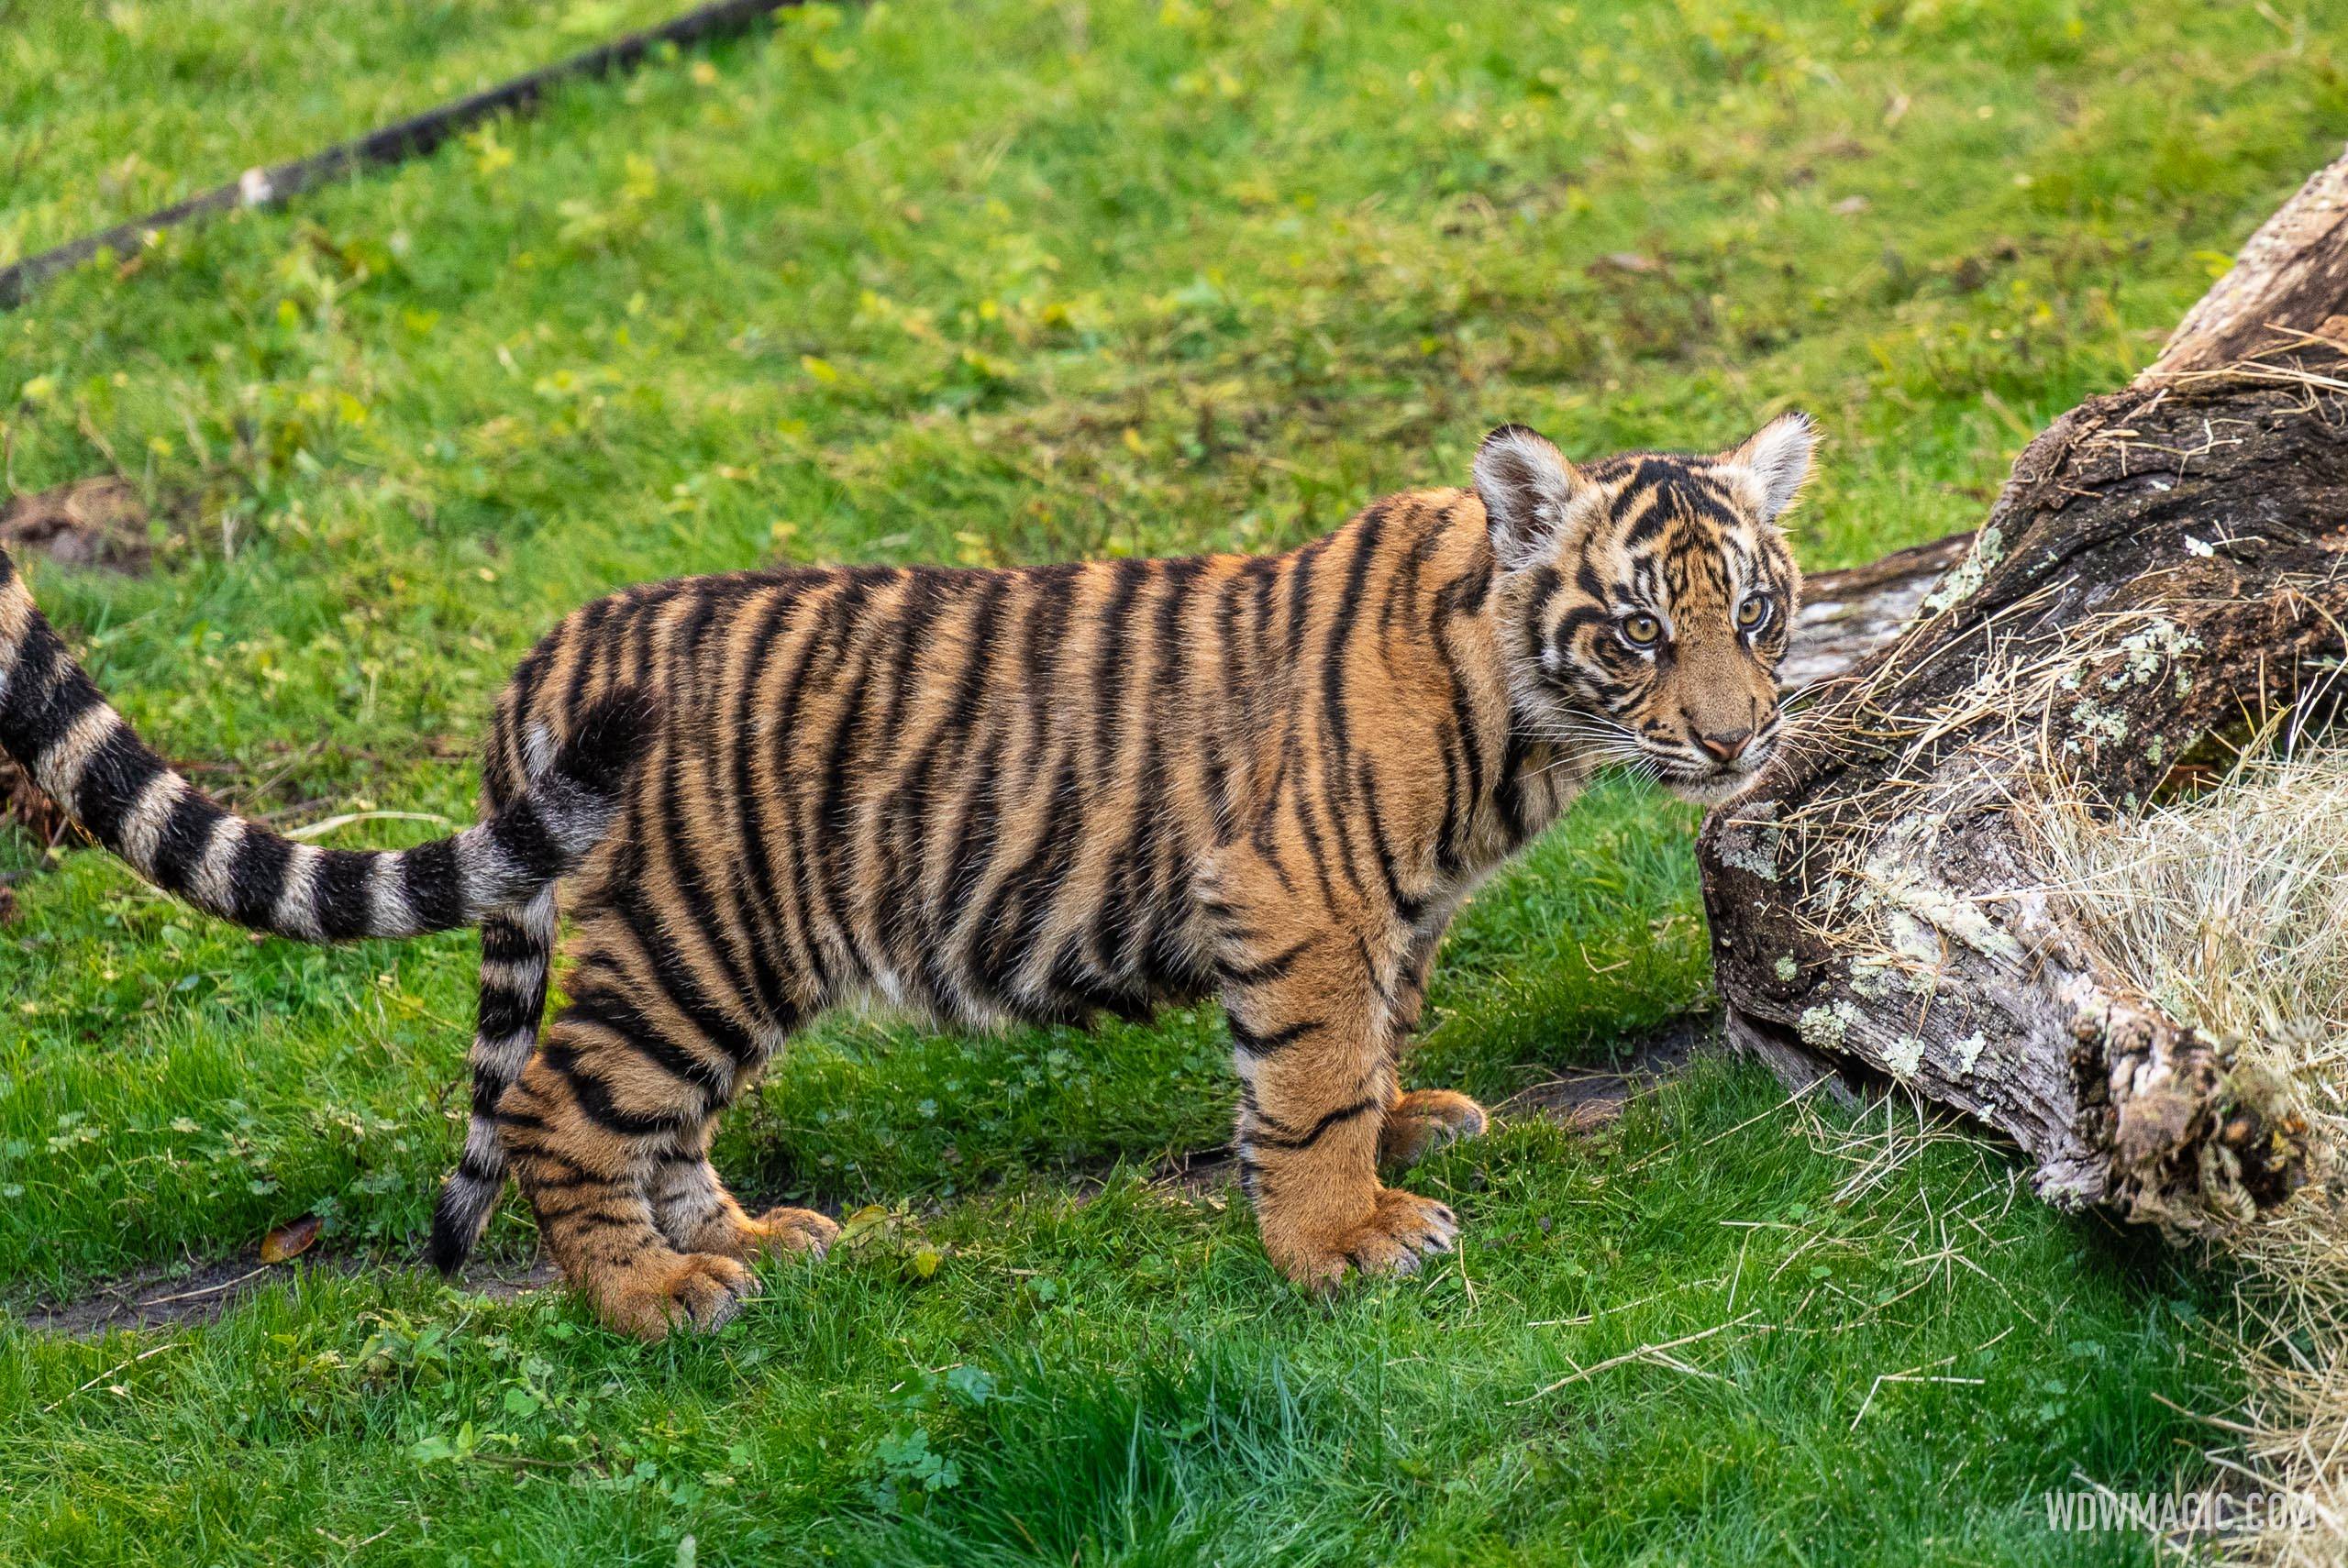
(1773, 465)
(1528, 489)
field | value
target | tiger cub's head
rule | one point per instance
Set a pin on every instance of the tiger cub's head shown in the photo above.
(1647, 599)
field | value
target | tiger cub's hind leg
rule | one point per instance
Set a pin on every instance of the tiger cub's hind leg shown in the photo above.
(1423, 1121)
(695, 1212)
(623, 1089)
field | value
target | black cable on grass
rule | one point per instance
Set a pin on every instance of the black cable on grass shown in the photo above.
(394, 143)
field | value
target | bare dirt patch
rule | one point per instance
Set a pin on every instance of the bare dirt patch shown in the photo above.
(1587, 1098)
(169, 1296)
(99, 522)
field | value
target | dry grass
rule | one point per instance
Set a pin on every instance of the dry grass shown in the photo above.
(2231, 909)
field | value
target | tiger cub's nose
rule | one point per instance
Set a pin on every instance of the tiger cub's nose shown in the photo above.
(1725, 745)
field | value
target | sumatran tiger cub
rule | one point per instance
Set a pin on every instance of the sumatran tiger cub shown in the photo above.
(1022, 795)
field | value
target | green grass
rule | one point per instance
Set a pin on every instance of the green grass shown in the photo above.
(1010, 282)
(109, 111)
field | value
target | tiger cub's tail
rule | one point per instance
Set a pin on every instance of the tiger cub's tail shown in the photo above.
(517, 949)
(59, 728)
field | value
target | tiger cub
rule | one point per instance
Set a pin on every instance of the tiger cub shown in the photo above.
(1030, 795)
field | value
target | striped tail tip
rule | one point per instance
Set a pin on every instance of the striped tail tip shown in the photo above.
(459, 1218)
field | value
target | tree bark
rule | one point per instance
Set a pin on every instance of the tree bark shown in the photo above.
(2164, 561)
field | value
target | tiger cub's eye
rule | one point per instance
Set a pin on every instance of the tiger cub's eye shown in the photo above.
(1641, 631)
(1753, 611)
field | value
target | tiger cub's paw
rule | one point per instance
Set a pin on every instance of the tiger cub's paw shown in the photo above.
(682, 1290)
(1424, 1121)
(784, 1233)
(1402, 1231)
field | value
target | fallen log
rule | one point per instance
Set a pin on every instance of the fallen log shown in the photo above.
(1847, 615)
(2165, 564)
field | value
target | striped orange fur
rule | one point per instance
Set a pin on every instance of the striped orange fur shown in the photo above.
(1046, 793)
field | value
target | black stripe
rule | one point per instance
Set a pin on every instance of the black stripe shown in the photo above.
(1464, 723)
(522, 832)
(1006, 932)
(341, 892)
(824, 642)
(552, 1170)
(929, 595)
(685, 642)
(1055, 606)
(506, 941)
(117, 773)
(1337, 738)
(588, 635)
(504, 1012)
(1318, 1131)
(1111, 667)
(676, 979)
(974, 854)
(46, 692)
(488, 1089)
(1272, 968)
(500, 775)
(1135, 865)
(686, 860)
(1370, 529)
(1289, 769)
(1542, 587)
(473, 1170)
(1651, 523)
(830, 838)
(1263, 839)
(1312, 836)
(905, 841)
(1508, 790)
(595, 1098)
(1218, 726)
(1450, 857)
(616, 1014)
(1401, 597)
(786, 885)
(1574, 620)
(751, 885)
(187, 832)
(978, 849)
(1300, 587)
(256, 879)
(1406, 909)
(1254, 1043)
(433, 883)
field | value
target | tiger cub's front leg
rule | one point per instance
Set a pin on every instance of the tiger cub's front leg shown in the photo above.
(1313, 1031)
